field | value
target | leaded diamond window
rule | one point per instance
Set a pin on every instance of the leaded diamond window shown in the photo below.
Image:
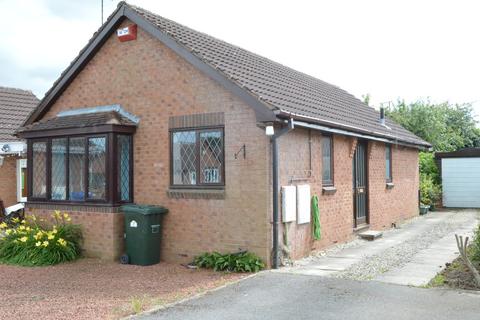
(39, 170)
(96, 168)
(184, 158)
(59, 169)
(211, 147)
(197, 157)
(76, 164)
(123, 154)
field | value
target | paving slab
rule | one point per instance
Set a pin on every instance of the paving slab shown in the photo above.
(426, 264)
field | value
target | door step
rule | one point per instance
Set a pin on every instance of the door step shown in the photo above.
(370, 235)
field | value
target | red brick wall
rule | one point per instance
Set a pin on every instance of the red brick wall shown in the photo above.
(401, 202)
(149, 80)
(336, 210)
(8, 181)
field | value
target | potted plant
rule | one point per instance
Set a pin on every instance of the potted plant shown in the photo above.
(424, 208)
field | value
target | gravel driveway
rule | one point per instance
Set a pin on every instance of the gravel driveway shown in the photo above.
(92, 289)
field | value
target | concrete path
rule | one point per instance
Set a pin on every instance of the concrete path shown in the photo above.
(410, 255)
(281, 296)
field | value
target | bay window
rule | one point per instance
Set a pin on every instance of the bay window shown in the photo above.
(88, 168)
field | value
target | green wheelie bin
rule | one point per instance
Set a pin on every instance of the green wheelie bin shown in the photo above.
(143, 232)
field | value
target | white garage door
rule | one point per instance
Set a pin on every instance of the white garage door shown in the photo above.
(461, 182)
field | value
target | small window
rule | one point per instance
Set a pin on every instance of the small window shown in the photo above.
(327, 160)
(388, 163)
(197, 157)
(124, 149)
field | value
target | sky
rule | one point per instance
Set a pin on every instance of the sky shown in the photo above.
(389, 49)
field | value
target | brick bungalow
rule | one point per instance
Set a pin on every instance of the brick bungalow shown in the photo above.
(15, 106)
(153, 112)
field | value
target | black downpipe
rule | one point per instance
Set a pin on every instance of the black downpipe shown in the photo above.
(276, 220)
(276, 190)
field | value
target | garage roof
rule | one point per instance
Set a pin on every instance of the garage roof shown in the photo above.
(462, 153)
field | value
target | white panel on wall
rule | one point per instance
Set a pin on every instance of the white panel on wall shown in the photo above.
(289, 203)
(461, 182)
(303, 203)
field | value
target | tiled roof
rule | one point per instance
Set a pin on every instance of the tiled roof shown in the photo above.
(79, 121)
(15, 106)
(279, 87)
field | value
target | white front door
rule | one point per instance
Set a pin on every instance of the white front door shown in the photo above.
(22, 180)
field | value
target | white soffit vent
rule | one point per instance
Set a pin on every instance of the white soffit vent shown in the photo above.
(289, 203)
(303, 203)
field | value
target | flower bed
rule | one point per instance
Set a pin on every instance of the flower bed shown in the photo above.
(33, 242)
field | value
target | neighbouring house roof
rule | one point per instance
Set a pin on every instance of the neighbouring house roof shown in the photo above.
(462, 153)
(15, 106)
(79, 121)
(273, 90)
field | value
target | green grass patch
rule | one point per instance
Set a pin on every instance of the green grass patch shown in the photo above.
(437, 281)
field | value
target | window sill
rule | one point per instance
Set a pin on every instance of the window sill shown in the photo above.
(180, 193)
(390, 185)
(329, 190)
(80, 206)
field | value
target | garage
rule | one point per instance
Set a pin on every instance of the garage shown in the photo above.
(460, 171)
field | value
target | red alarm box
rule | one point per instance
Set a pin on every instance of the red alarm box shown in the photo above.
(127, 33)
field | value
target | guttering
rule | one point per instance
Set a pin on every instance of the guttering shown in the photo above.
(329, 126)
(276, 189)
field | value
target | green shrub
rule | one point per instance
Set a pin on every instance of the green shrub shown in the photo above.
(234, 262)
(428, 166)
(36, 243)
(476, 245)
(430, 192)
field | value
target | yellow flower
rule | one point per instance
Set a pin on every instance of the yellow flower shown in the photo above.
(21, 228)
(62, 242)
(23, 221)
(23, 239)
(38, 243)
(28, 229)
(54, 231)
(3, 225)
(50, 237)
(45, 243)
(65, 215)
(8, 232)
(33, 217)
(39, 235)
(15, 220)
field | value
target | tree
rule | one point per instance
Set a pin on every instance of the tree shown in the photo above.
(446, 126)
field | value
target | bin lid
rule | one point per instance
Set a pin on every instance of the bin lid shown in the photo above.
(143, 209)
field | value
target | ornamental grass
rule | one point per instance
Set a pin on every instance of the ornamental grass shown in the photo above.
(36, 242)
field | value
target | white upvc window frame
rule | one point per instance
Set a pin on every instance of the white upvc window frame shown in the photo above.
(21, 164)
